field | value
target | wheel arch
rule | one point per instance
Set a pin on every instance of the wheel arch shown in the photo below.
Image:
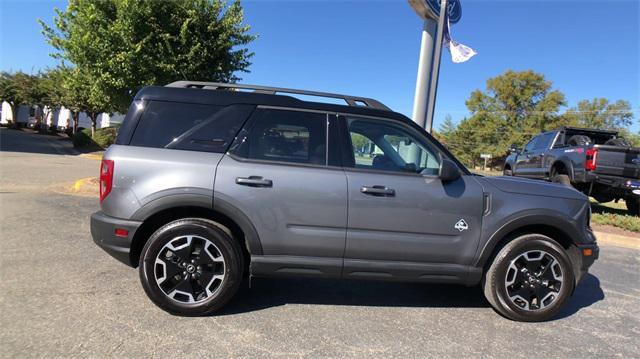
(559, 165)
(550, 226)
(160, 212)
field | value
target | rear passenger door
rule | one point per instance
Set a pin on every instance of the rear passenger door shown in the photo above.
(280, 174)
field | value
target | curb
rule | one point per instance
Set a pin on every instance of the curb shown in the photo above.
(92, 156)
(618, 240)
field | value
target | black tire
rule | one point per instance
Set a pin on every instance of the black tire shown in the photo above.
(498, 292)
(562, 179)
(204, 234)
(633, 205)
(620, 142)
(507, 171)
(579, 140)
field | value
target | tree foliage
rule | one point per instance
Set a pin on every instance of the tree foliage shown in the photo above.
(119, 46)
(601, 113)
(515, 106)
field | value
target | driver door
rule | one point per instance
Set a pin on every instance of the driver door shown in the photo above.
(524, 164)
(403, 221)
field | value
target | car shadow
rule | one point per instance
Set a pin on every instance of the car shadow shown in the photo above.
(587, 293)
(599, 208)
(273, 292)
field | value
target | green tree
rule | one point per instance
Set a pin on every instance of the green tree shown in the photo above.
(514, 106)
(445, 130)
(600, 113)
(120, 46)
(19, 89)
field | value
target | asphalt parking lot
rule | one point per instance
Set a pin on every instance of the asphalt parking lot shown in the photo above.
(60, 295)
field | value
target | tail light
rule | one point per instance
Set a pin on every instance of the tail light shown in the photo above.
(590, 164)
(106, 178)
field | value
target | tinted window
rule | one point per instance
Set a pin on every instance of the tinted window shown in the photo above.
(387, 146)
(285, 136)
(531, 145)
(544, 141)
(163, 122)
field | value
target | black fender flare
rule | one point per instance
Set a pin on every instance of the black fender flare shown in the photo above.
(205, 201)
(567, 164)
(560, 223)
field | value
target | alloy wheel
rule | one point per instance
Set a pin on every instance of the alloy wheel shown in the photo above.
(189, 269)
(533, 280)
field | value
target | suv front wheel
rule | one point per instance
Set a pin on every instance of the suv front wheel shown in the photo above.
(191, 267)
(530, 279)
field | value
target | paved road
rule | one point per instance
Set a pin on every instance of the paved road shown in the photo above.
(62, 296)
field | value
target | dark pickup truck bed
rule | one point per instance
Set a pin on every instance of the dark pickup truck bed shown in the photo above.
(595, 162)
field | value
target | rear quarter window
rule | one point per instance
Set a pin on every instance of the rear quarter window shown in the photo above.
(185, 126)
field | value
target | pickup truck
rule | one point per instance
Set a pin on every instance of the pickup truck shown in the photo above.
(597, 163)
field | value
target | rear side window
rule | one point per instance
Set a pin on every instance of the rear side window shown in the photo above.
(163, 123)
(285, 136)
(544, 141)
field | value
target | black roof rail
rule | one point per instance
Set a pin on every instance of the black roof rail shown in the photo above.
(350, 100)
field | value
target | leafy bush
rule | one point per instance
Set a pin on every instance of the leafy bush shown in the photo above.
(103, 137)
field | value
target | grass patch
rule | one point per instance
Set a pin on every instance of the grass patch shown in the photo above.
(614, 214)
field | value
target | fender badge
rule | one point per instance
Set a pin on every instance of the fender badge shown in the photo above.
(461, 225)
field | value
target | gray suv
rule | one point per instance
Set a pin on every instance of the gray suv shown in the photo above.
(210, 183)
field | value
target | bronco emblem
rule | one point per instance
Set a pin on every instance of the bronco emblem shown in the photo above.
(461, 225)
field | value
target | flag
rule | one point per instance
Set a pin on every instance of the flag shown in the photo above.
(459, 52)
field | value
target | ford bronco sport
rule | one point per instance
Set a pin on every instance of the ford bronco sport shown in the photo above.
(209, 183)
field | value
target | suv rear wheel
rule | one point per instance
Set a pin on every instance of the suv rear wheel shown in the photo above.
(530, 279)
(191, 267)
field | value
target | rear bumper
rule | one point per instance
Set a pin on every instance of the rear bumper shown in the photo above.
(616, 183)
(103, 231)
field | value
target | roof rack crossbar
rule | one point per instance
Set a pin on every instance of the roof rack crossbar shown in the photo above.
(349, 100)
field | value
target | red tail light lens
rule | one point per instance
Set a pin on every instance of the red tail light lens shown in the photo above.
(590, 164)
(106, 178)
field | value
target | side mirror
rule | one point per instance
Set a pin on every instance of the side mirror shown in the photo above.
(449, 171)
(514, 148)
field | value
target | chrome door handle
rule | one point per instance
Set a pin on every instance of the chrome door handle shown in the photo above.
(254, 181)
(379, 191)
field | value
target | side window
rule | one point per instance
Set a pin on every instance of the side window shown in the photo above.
(387, 146)
(544, 141)
(163, 122)
(531, 145)
(285, 136)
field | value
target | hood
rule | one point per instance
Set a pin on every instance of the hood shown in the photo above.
(533, 187)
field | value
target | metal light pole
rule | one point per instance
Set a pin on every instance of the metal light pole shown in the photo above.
(430, 54)
(435, 71)
(424, 73)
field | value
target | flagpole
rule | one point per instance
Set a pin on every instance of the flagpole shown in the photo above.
(435, 69)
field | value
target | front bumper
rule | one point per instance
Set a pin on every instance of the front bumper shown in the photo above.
(103, 231)
(583, 256)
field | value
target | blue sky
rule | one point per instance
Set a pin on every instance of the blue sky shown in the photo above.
(370, 48)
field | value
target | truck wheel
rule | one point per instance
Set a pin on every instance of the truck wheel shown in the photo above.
(507, 171)
(562, 179)
(191, 267)
(633, 205)
(530, 279)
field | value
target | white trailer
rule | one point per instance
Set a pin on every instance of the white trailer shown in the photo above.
(24, 112)
(62, 119)
(6, 114)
